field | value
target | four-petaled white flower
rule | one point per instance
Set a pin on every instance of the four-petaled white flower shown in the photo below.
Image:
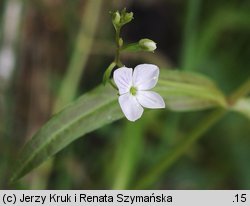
(134, 89)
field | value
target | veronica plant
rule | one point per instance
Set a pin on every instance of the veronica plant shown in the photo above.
(133, 86)
(177, 91)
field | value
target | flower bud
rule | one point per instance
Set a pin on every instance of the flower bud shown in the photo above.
(116, 18)
(147, 45)
(128, 17)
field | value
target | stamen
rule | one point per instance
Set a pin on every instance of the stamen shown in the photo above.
(133, 91)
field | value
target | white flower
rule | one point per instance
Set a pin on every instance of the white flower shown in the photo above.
(134, 89)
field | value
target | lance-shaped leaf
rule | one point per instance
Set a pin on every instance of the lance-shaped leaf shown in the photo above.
(181, 91)
(89, 112)
(186, 91)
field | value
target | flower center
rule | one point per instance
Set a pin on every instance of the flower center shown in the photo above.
(133, 91)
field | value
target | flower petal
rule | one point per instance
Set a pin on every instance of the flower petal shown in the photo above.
(123, 79)
(145, 76)
(130, 107)
(150, 99)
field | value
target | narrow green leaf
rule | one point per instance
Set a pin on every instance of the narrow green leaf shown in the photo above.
(182, 92)
(243, 107)
(91, 111)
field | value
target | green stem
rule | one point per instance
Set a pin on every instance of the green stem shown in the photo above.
(118, 48)
(133, 47)
(171, 157)
(112, 84)
(127, 155)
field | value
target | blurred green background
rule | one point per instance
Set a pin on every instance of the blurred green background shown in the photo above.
(48, 46)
